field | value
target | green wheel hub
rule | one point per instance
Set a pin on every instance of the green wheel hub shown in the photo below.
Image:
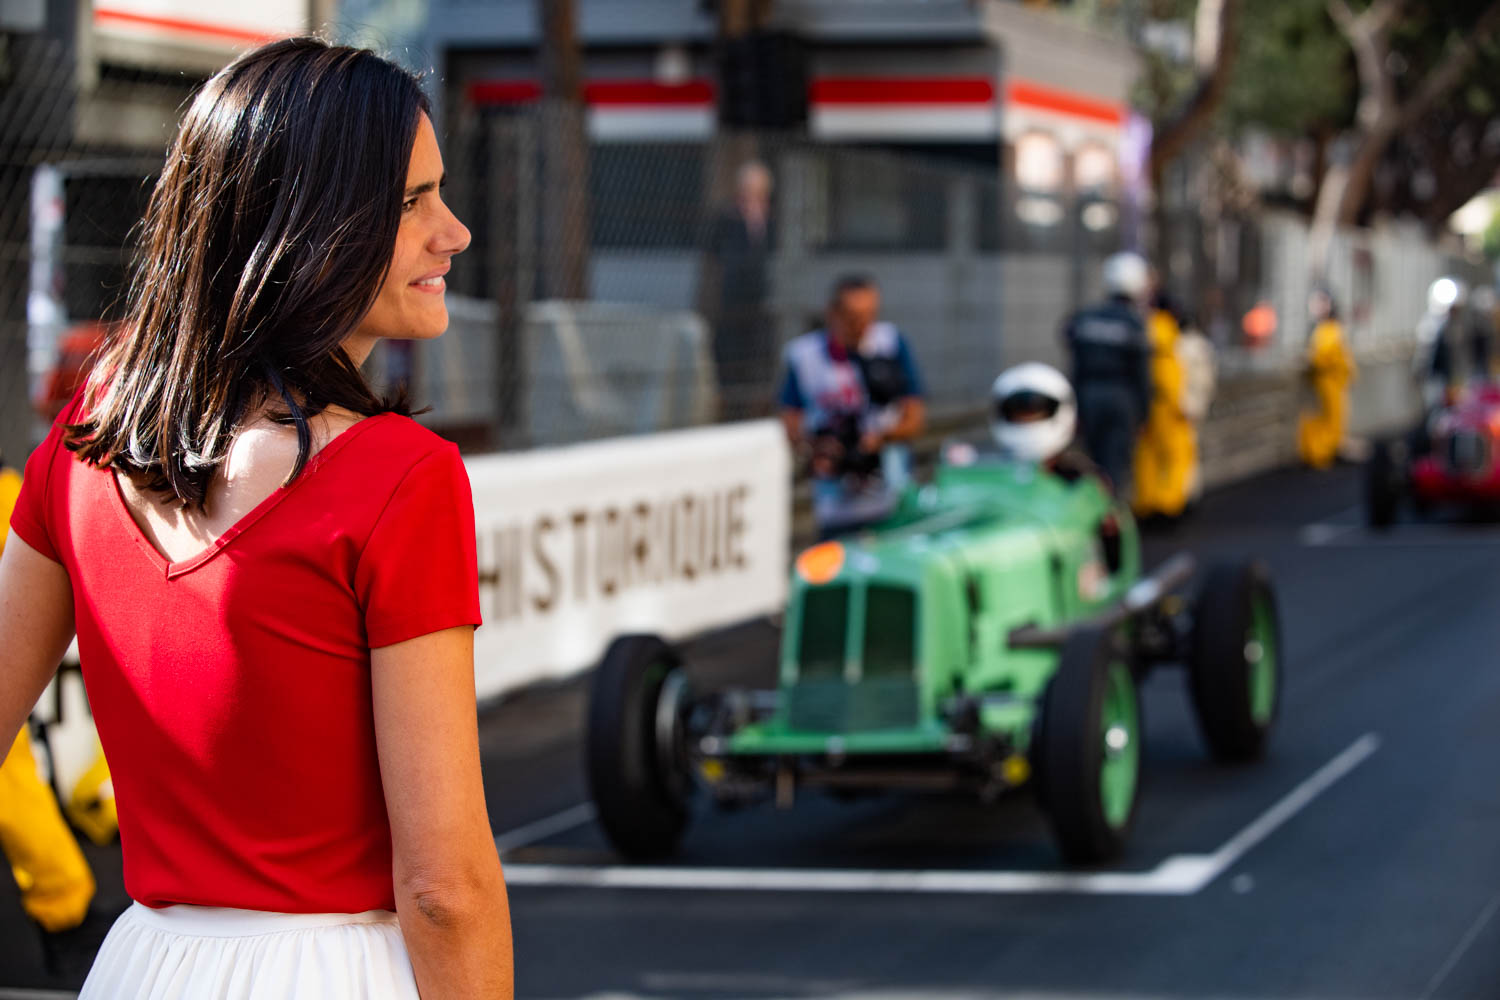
(1260, 656)
(1119, 735)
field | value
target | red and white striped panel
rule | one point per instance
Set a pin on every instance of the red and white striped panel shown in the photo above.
(211, 24)
(634, 109)
(903, 108)
(1075, 119)
(623, 110)
(894, 109)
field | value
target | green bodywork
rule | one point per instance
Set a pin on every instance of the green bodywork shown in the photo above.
(922, 609)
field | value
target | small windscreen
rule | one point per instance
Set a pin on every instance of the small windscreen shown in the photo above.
(1026, 407)
(825, 621)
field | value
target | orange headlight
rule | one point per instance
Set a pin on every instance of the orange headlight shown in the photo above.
(821, 563)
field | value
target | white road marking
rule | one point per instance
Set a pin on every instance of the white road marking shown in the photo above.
(1464, 944)
(1347, 528)
(1412, 537)
(1331, 527)
(551, 826)
(1292, 803)
(1179, 875)
(810, 987)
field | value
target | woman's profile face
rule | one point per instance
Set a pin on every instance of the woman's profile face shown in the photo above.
(410, 305)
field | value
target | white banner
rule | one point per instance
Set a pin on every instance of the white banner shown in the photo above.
(670, 533)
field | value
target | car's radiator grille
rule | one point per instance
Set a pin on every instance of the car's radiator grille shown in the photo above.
(837, 706)
(1467, 453)
(890, 632)
(825, 622)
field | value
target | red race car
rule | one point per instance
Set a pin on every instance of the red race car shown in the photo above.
(1450, 460)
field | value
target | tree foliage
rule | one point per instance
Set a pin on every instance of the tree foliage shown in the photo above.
(1295, 76)
(1417, 136)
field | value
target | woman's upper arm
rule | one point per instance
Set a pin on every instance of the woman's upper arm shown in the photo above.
(36, 625)
(426, 732)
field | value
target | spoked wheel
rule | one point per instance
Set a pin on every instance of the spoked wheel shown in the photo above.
(1236, 663)
(638, 764)
(1090, 748)
(1119, 734)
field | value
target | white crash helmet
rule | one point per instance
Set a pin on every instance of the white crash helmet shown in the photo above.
(1033, 413)
(1445, 293)
(1127, 274)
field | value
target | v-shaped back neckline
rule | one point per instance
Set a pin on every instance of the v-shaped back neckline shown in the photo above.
(171, 568)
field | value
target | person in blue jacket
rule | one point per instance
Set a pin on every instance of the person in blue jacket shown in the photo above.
(851, 401)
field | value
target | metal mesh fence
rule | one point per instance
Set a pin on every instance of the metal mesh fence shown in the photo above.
(626, 283)
(79, 150)
(654, 282)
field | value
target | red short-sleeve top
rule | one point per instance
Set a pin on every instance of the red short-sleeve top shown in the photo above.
(232, 690)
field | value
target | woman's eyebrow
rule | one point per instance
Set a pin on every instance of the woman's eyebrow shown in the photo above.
(423, 188)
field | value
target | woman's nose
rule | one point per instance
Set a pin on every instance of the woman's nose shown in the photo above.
(452, 236)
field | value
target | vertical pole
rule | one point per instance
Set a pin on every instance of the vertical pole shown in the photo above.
(565, 155)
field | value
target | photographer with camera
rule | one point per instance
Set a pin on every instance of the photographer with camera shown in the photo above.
(850, 399)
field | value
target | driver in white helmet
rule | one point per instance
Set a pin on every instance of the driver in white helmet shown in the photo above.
(1112, 367)
(1033, 417)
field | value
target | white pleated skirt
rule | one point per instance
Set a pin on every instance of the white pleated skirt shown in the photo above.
(205, 953)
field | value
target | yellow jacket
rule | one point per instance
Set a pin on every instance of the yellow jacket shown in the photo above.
(1327, 354)
(10, 489)
(1167, 375)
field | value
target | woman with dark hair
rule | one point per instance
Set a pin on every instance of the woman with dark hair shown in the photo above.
(270, 568)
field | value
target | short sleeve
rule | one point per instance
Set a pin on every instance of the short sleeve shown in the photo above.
(791, 396)
(908, 368)
(29, 519)
(418, 572)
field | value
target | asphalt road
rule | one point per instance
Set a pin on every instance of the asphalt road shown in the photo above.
(1362, 859)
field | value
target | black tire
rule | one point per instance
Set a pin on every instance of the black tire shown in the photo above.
(1071, 754)
(1234, 622)
(1382, 487)
(639, 777)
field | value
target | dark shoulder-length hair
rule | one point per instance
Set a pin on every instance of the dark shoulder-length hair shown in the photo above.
(266, 241)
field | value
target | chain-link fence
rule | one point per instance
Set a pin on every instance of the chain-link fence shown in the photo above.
(79, 150)
(716, 279)
(1223, 267)
(632, 283)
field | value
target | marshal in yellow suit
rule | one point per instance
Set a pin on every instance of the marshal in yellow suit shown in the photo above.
(51, 872)
(1330, 366)
(1167, 449)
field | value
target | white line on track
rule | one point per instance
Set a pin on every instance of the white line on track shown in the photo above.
(812, 987)
(1330, 528)
(1464, 944)
(1179, 875)
(1347, 529)
(551, 826)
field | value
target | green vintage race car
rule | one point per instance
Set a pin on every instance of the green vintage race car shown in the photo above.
(992, 633)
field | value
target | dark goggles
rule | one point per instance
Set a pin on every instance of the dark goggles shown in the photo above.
(1026, 407)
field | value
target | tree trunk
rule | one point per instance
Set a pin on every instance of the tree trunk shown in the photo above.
(1341, 193)
(1213, 58)
(565, 156)
(1381, 118)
